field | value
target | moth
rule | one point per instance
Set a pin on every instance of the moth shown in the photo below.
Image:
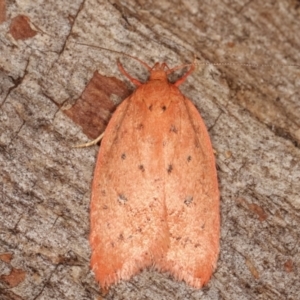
(155, 196)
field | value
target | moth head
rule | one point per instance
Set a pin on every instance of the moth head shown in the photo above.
(159, 71)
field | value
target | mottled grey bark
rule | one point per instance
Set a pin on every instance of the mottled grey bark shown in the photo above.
(252, 115)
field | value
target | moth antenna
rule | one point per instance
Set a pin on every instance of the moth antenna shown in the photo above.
(119, 52)
(141, 62)
(254, 65)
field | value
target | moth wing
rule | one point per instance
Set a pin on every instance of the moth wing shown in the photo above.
(192, 198)
(128, 216)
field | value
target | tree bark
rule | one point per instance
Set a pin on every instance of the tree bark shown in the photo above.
(252, 114)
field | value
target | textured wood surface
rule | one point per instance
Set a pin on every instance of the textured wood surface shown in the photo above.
(252, 115)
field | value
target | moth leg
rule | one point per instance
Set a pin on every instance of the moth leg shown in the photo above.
(91, 143)
(184, 77)
(123, 71)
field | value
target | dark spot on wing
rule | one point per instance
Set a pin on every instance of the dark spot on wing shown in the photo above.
(123, 156)
(189, 158)
(122, 199)
(164, 108)
(188, 200)
(150, 107)
(173, 129)
(170, 169)
(141, 167)
(140, 126)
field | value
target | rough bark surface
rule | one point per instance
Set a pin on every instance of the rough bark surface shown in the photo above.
(252, 115)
